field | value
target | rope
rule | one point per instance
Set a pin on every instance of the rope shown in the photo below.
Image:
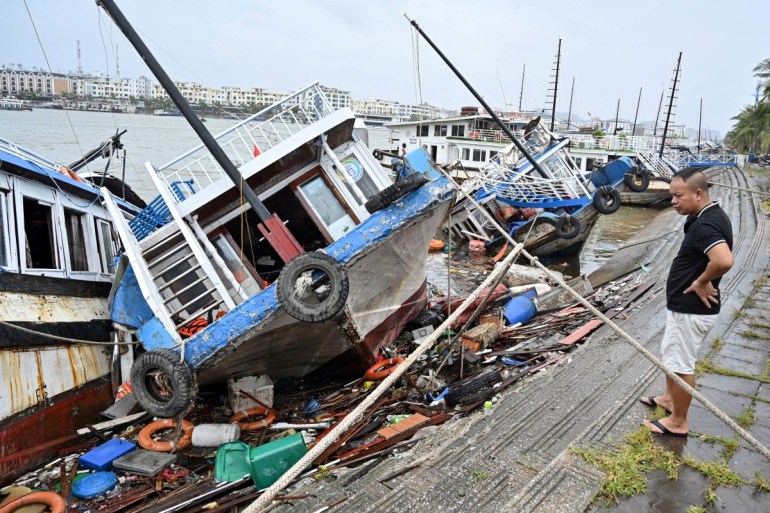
(354, 416)
(65, 339)
(753, 191)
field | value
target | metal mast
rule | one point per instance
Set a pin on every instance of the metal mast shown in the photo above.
(636, 116)
(617, 113)
(571, 94)
(657, 116)
(483, 103)
(670, 104)
(700, 118)
(521, 90)
(80, 67)
(184, 107)
(555, 86)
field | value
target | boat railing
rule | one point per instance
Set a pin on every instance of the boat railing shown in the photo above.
(717, 160)
(23, 153)
(250, 138)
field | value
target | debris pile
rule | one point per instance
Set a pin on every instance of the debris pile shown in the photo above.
(230, 445)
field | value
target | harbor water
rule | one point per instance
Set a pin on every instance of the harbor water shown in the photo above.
(64, 136)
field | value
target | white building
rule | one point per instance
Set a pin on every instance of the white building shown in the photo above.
(14, 82)
(338, 98)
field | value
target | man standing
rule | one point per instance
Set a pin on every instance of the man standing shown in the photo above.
(692, 293)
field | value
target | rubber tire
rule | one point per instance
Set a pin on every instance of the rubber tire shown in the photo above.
(567, 226)
(631, 180)
(606, 200)
(390, 194)
(326, 309)
(179, 374)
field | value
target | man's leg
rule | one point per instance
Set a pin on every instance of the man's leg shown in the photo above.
(677, 421)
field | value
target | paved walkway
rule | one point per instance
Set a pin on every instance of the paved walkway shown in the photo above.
(518, 457)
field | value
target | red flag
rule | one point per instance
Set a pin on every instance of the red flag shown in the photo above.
(257, 153)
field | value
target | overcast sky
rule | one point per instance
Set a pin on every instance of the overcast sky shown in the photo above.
(612, 48)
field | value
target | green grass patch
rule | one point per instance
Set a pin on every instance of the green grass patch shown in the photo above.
(730, 445)
(716, 345)
(748, 418)
(707, 365)
(761, 482)
(478, 475)
(626, 465)
(755, 335)
(718, 472)
(760, 325)
(697, 509)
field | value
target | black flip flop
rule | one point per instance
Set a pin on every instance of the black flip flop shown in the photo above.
(649, 400)
(664, 430)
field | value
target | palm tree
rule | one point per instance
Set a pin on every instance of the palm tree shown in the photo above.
(762, 71)
(751, 131)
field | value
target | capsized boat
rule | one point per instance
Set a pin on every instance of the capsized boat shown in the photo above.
(214, 292)
(551, 210)
(57, 264)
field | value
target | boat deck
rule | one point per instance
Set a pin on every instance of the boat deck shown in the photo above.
(517, 458)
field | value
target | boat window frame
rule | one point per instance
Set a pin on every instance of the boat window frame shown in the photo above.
(85, 225)
(43, 196)
(310, 209)
(104, 265)
(7, 247)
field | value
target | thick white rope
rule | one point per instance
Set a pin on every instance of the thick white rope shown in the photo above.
(354, 416)
(617, 329)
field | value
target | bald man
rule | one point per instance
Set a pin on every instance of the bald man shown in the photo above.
(692, 293)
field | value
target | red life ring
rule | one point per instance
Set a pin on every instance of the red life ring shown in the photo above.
(238, 417)
(50, 499)
(383, 369)
(146, 441)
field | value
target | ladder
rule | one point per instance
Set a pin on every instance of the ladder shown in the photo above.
(177, 268)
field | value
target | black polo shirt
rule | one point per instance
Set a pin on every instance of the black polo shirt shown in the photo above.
(703, 231)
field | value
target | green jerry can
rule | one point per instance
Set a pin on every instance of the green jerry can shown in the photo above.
(270, 461)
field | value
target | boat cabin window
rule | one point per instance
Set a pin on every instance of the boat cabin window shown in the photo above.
(74, 223)
(326, 207)
(356, 172)
(458, 130)
(422, 131)
(105, 243)
(39, 236)
(466, 153)
(492, 154)
(439, 131)
(479, 155)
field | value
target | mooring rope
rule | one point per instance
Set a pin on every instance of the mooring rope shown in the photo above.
(65, 339)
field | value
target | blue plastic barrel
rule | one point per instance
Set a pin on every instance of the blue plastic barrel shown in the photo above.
(520, 308)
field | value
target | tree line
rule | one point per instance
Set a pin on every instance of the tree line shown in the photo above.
(751, 131)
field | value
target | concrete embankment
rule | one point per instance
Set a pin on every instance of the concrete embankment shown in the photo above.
(517, 458)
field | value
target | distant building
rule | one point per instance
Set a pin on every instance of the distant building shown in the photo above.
(338, 98)
(15, 82)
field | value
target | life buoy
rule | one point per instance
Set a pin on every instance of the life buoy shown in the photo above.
(238, 417)
(54, 502)
(383, 369)
(146, 441)
(473, 135)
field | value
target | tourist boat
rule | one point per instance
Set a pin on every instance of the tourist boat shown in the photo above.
(211, 283)
(15, 104)
(57, 252)
(552, 209)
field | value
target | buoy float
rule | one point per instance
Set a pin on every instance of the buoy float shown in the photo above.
(54, 502)
(259, 411)
(146, 441)
(383, 369)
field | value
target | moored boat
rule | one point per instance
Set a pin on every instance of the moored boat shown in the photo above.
(57, 253)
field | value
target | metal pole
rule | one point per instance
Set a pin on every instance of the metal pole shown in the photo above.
(657, 116)
(484, 104)
(196, 124)
(555, 87)
(636, 116)
(670, 105)
(700, 118)
(617, 113)
(521, 91)
(571, 94)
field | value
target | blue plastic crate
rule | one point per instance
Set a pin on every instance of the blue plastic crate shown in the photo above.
(101, 458)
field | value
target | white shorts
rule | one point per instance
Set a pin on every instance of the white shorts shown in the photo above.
(682, 340)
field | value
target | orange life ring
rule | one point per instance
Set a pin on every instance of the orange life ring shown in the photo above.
(50, 499)
(238, 417)
(383, 369)
(146, 441)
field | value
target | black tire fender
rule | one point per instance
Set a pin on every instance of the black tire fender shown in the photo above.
(334, 278)
(606, 200)
(164, 385)
(637, 180)
(567, 226)
(390, 194)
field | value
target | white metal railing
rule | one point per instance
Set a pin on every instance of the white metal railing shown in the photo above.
(23, 153)
(254, 135)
